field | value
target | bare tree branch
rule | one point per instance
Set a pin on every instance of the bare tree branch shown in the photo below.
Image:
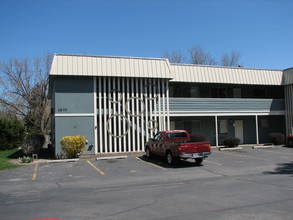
(231, 59)
(199, 56)
(174, 56)
(24, 87)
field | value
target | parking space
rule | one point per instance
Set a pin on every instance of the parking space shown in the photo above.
(136, 165)
(124, 188)
(225, 162)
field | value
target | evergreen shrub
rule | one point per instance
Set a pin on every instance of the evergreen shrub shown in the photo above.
(11, 134)
(277, 138)
(231, 142)
(197, 137)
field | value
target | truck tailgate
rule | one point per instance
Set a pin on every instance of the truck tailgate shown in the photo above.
(197, 147)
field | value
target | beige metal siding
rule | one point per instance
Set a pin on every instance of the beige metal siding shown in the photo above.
(288, 76)
(110, 66)
(209, 74)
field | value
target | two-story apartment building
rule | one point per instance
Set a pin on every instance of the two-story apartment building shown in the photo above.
(118, 103)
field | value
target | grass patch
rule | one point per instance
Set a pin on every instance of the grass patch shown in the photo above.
(5, 157)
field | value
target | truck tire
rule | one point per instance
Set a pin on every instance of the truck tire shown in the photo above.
(148, 153)
(290, 143)
(198, 161)
(170, 158)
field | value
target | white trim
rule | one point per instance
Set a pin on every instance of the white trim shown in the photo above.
(147, 109)
(114, 112)
(217, 134)
(132, 118)
(159, 106)
(75, 115)
(137, 118)
(164, 103)
(168, 109)
(119, 113)
(105, 116)
(109, 115)
(128, 116)
(256, 127)
(100, 116)
(141, 88)
(173, 114)
(95, 116)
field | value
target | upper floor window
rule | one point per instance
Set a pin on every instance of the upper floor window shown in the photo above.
(259, 93)
(218, 93)
(237, 93)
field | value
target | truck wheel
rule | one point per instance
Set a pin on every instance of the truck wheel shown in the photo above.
(290, 143)
(198, 161)
(148, 153)
(170, 158)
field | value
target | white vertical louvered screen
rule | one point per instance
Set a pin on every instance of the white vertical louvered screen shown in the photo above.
(129, 112)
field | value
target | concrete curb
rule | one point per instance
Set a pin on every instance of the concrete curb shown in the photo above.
(263, 147)
(61, 161)
(110, 158)
(230, 148)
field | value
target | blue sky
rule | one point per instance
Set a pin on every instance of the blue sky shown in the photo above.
(261, 30)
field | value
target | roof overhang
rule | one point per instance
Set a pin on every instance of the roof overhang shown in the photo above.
(225, 75)
(82, 65)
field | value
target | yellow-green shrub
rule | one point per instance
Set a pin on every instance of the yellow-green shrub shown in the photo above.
(72, 145)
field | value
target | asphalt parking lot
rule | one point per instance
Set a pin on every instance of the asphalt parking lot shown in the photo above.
(239, 184)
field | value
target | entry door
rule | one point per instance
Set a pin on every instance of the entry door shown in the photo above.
(238, 125)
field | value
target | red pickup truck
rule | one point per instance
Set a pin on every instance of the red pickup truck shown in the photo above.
(177, 144)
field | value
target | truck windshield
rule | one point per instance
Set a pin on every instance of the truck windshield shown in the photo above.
(176, 135)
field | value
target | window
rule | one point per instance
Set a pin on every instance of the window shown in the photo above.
(218, 92)
(158, 136)
(222, 127)
(259, 93)
(195, 126)
(171, 91)
(194, 91)
(177, 135)
(236, 92)
(264, 123)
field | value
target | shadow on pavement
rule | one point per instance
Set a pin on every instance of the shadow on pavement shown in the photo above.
(282, 168)
(44, 153)
(160, 161)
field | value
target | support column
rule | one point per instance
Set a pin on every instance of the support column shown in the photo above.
(217, 136)
(95, 115)
(256, 128)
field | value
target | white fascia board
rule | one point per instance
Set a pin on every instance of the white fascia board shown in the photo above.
(75, 115)
(173, 114)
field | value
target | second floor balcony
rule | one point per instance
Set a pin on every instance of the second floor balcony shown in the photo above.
(226, 105)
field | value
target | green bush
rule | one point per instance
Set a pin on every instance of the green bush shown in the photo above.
(231, 142)
(197, 137)
(25, 159)
(277, 138)
(73, 145)
(11, 134)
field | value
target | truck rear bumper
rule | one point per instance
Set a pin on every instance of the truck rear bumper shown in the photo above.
(194, 155)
